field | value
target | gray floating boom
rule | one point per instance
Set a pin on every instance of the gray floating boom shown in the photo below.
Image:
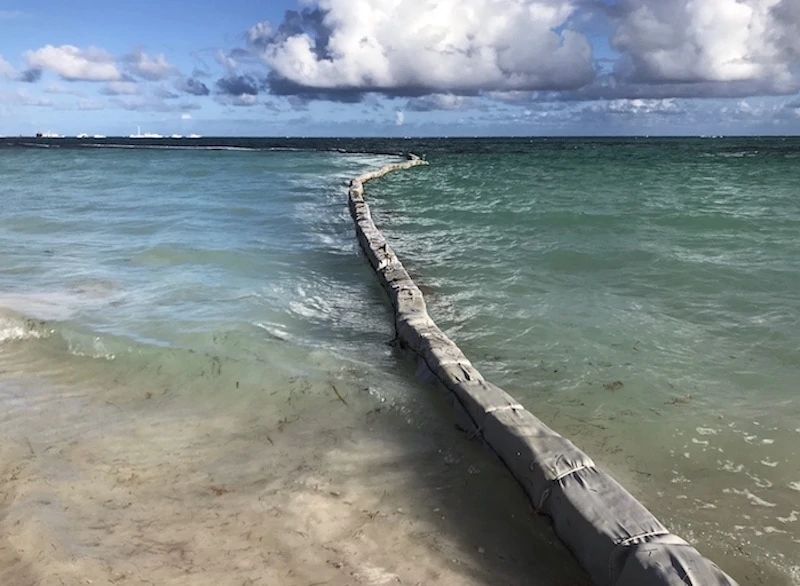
(613, 536)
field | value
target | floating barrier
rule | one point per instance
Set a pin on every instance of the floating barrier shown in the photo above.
(613, 536)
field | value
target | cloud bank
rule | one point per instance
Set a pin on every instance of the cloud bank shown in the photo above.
(447, 46)
(342, 49)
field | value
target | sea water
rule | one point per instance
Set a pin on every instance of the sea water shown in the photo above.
(639, 296)
(198, 386)
(643, 298)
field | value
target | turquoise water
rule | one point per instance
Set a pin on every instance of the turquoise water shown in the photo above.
(644, 299)
(641, 297)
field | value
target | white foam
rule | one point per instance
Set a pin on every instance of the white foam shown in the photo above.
(11, 331)
(754, 500)
(706, 431)
(795, 486)
(729, 466)
(792, 518)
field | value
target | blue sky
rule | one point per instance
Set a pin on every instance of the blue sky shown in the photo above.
(400, 67)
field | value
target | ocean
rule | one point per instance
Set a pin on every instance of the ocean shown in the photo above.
(191, 343)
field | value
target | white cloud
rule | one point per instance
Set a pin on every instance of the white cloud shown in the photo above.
(74, 64)
(259, 33)
(399, 118)
(707, 41)
(225, 60)
(6, 69)
(441, 46)
(186, 116)
(439, 102)
(151, 68)
(245, 100)
(637, 106)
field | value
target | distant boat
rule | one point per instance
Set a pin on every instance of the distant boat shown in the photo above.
(49, 134)
(98, 136)
(145, 135)
(176, 136)
(82, 135)
(194, 136)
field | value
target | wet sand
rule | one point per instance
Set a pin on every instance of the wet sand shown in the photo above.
(108, 482)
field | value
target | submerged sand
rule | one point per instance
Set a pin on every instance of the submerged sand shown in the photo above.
(102, 482)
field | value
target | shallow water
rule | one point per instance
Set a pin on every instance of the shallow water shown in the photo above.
(173, 324)
(642, 298)
(195, 388)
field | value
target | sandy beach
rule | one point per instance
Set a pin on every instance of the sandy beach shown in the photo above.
(104, 484)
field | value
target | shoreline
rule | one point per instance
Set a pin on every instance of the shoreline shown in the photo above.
(115, 484)
(613, 536)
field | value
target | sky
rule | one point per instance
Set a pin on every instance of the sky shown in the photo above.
(400, 67)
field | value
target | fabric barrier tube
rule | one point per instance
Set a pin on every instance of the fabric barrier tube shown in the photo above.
(613, 536)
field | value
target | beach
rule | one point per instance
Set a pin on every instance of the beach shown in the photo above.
(198, 367)
(104, 483)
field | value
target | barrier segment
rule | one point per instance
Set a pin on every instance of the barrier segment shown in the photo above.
(613, 536)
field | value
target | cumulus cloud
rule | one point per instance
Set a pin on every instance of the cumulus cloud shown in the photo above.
(260, 34)
(787, 13)
(343, 50)
(238, 85)
(724, 41)
(74, 64)
(153, 68)
(448, 46)
(399, 117)
(190, 85)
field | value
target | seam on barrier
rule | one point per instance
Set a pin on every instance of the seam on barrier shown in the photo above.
(626, 542)
(645, 535)
(546, 492)
(572, 471)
